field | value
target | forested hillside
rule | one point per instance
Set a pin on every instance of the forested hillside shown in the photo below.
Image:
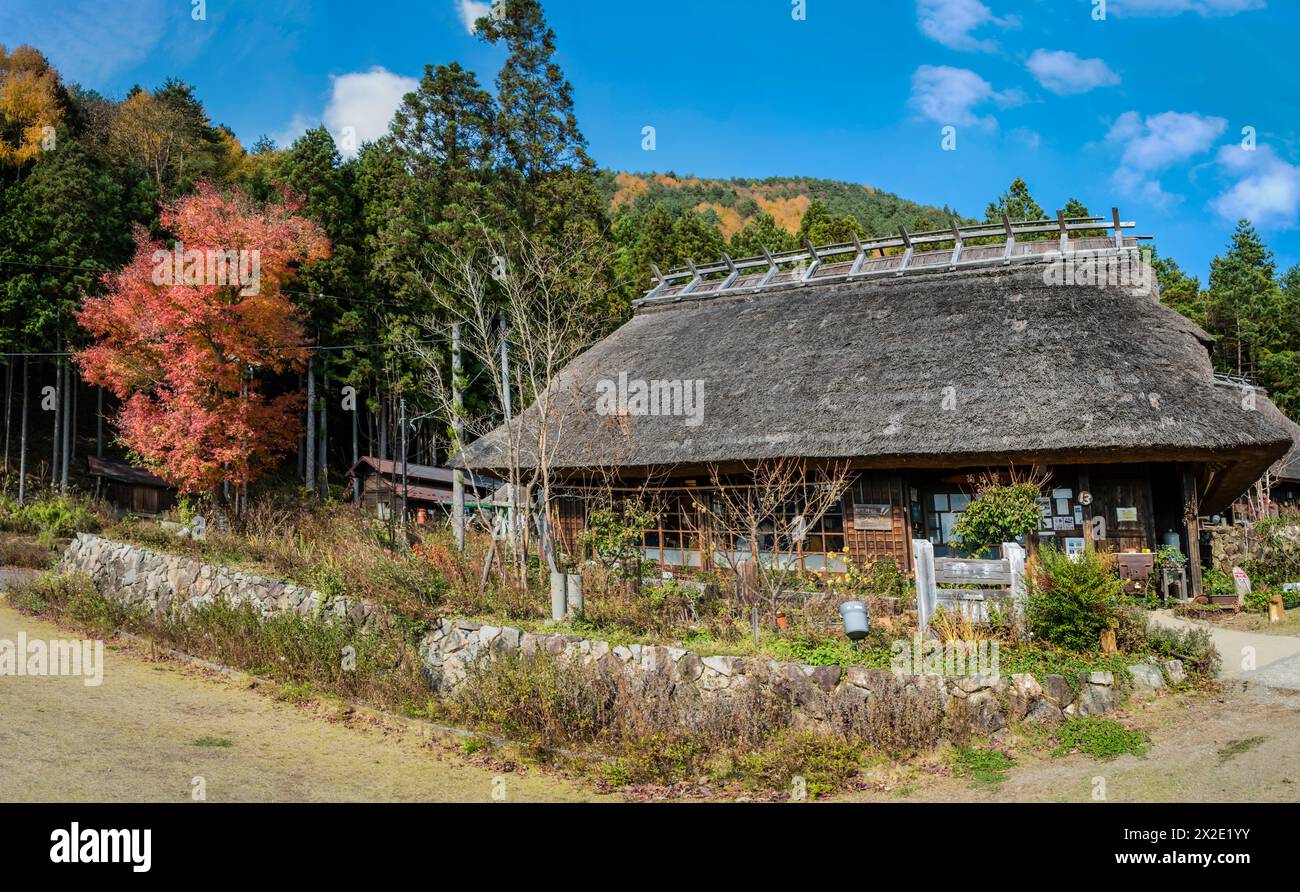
(739, 201)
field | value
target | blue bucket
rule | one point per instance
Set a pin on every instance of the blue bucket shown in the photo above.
(854, 615)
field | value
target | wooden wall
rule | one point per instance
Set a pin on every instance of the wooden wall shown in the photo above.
(867, 545)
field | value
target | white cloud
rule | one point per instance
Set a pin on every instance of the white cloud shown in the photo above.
(950, 95)
(1204, 8)
(1030, 139)
(1064, 73)
(365, 102)
(1151, 145)
(1267, 190)
(471, 11)
(950, 22)
(296, 127)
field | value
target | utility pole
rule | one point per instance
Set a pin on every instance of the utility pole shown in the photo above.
(99, 422)
(356, 454)
(22, 441)
(458, 431)
(69, 421)
(506, 406)
(402, 435)
(9, 404)
(325, 436)
(310, 476)
(58, 416)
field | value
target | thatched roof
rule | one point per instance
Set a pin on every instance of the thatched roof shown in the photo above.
(860, 370)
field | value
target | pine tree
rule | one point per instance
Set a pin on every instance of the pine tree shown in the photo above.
(537, 120)
(1241, 288)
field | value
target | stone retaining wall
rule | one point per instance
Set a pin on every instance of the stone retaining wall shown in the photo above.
(988, 703)
(164, 583)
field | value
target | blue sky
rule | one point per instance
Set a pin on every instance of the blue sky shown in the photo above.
(1143, 107)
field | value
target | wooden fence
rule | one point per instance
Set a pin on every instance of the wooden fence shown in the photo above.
(978, 583)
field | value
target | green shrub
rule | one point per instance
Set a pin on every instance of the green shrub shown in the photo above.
(825, 762)
(1100, 738)
(998, 513)
(984, 766)
(51, 517)
(1278, 552)
(656, 759)
(1218, 583)
(1195, 647)
(539, 698)
(1256, 600)
(1071, 600)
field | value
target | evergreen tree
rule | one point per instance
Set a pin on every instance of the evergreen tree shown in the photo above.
(64, 225)
(1178, 290)
(1016, 203)
(1241, 290)
(759, 233)
(821, 227)
(536, 119)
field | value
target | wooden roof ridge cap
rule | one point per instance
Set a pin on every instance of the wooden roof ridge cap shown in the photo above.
(887, 277)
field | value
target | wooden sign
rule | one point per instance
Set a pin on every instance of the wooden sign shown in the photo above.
(872, 517)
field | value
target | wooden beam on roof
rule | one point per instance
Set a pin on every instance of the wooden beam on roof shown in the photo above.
(1011, 239)
(814, 265)
(907, 254)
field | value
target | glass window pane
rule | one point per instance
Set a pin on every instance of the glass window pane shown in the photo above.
(940, 501)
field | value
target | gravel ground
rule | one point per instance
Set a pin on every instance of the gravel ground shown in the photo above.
(152, 727)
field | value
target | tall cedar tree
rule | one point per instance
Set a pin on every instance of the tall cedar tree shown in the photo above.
(187, 359)
(64, 223)
(537, 119)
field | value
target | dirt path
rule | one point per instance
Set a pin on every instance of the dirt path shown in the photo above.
(1256, 657)
(151, 728)
(1241, 747)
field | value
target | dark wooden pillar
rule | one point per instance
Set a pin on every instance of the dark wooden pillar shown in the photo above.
(1191, 517)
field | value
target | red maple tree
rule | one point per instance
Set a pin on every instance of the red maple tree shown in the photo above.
(187, 329)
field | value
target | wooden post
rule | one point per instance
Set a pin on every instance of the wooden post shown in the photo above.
(1015, 556)
(1191, 511)
(926, 590)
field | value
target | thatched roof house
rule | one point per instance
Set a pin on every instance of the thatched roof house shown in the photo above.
(971, 356)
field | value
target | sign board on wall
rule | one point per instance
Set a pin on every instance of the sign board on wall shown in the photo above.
(872, 517)
(1126, 515)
